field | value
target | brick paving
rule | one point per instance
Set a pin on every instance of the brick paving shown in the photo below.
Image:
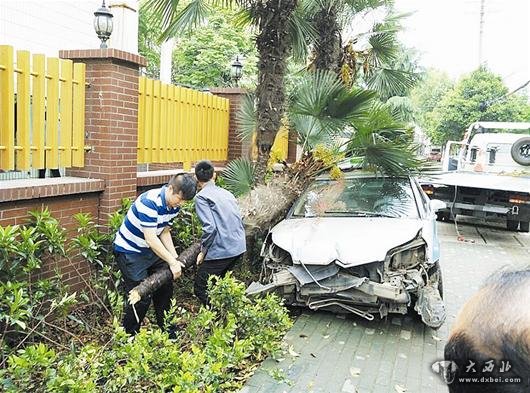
(330, 353)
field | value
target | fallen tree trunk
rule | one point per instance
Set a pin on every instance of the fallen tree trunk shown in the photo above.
(260, 209)
(188, 258)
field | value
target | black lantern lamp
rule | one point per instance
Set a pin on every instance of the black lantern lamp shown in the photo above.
(237, 70)
(103, 24)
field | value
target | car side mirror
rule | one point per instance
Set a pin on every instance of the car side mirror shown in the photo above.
(437, 205)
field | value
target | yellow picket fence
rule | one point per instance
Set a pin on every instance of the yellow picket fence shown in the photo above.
(176, 124)
(42, 111)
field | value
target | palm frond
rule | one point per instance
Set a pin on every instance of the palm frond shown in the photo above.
(247, 117)
(190, 17)
(351, 104)
(301, 32)
(321, 107)
(239, 176)
(401, 108)
(363, 5)
(312, 94)
(390, 158)
(384, 48)
(378, 124)
(383, 142)
(244, 17)
(311, 132)
(164, 11)
(388, 82)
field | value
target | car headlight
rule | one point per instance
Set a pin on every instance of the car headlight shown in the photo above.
(409, 258)
(407, 255)
(278, 255)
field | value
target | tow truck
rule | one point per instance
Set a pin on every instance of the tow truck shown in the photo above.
(486, 175)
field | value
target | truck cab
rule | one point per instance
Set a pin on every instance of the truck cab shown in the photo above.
(486, 175)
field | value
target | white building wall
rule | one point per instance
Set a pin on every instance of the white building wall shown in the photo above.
(47, 26)
(125, 33)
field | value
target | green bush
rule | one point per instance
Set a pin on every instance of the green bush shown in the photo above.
(186, 228)
(212, 346)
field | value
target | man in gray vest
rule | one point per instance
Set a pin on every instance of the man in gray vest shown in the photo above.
(223, 235)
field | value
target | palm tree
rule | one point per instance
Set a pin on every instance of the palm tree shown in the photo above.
(278, 28)
(329, 18)
(323, 111)
(366, 57)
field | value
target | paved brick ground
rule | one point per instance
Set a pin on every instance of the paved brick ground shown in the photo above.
(338, 354)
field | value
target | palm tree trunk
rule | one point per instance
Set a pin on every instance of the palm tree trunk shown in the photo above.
(328, 51)
(274, 47)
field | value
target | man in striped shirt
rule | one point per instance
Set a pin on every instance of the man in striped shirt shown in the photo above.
(143, 244)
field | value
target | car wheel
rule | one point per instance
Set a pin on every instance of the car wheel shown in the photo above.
(521, 151)
(524, 226)
(512, 225)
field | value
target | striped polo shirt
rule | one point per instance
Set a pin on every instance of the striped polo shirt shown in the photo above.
(149, 210)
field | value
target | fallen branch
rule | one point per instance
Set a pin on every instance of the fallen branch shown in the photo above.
(260, 209)
(188, 257)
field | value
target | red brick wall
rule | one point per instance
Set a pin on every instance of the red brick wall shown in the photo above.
(236, 147)
(63, 208)
(111, 117)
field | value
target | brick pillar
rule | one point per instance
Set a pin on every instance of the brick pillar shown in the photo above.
(236, 147)
(111, 122)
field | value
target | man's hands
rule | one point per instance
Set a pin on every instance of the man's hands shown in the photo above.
(200, 258)
(134, 297)
(176, 269)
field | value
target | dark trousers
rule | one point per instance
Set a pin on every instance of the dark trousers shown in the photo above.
(213, 267)
(133, 274)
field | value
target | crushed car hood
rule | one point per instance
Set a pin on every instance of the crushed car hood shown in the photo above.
(349, 241)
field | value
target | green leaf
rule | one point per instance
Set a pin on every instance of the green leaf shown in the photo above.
(247, 117)
(239, 176)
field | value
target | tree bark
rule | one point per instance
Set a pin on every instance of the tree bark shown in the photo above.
(188, 257)
(328, 52)
(274, 47)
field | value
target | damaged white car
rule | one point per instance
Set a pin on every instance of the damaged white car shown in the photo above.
(364, 244)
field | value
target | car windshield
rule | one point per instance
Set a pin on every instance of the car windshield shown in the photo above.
(358, 197)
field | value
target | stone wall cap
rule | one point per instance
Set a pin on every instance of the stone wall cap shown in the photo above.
(20, 189)
(228, 90)
(108, 53)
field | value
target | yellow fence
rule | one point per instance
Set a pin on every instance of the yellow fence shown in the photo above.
(42, 111)
(176, 124)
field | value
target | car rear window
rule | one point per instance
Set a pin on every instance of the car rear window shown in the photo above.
(370, 196)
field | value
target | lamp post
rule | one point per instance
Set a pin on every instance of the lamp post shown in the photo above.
(103, 24)
(237, 70)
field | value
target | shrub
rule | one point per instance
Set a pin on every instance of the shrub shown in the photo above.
(212, 347)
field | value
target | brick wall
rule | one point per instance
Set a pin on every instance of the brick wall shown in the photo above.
(111, 115)
(62, 208)
(236, 147)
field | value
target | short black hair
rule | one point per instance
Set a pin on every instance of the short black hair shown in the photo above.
(514, 348)
(500, 289)
(185, 184)
(204, 171)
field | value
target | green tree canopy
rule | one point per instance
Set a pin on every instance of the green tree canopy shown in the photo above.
(480, 96)
(203, 57)
(426, 96)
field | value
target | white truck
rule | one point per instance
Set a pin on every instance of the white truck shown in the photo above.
(486, 175)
